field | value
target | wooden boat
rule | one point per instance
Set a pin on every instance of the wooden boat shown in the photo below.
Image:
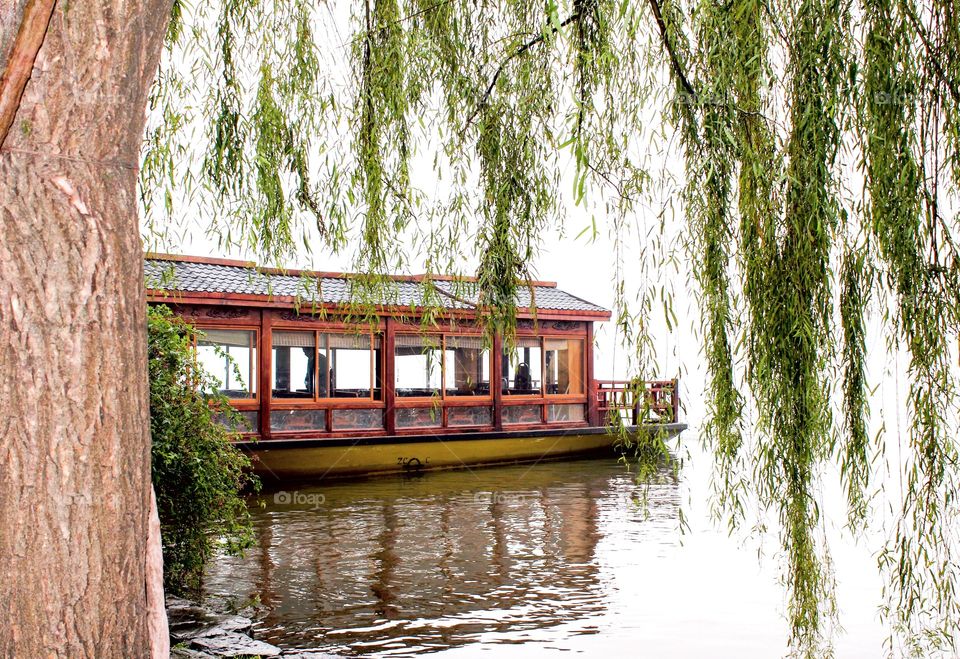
(327, 391)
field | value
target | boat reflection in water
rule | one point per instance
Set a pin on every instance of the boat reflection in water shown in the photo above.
(414, 565)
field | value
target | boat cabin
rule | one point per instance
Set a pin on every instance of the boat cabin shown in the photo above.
(308, 361)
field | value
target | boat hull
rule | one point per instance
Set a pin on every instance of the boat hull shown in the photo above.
(287, 460)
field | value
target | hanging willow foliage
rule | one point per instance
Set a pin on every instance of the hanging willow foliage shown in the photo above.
(819, 142)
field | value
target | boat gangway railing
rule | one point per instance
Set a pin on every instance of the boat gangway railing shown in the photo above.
(639, 402)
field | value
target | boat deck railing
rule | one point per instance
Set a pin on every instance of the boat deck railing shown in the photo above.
(639, 402)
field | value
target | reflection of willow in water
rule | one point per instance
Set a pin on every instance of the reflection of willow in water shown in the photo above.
(428, 563)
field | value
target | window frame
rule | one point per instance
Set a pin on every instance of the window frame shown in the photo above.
(554, 398)
(544, 400)
(526, 398)
(239, 403)
(543, 395)
(330, 401)
(417, 401)
(443, 389)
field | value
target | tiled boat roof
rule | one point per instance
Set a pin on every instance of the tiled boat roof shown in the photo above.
(194, 275)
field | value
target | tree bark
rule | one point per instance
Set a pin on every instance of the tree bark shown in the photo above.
(74, 420)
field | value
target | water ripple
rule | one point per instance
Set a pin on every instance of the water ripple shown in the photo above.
(399, 567)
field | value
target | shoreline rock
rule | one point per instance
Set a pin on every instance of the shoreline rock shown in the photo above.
(196, 632)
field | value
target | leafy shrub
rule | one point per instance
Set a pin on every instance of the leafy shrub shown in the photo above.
(198, 475)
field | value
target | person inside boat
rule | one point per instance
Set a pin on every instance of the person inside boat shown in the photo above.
(522, 380)
(310, 354)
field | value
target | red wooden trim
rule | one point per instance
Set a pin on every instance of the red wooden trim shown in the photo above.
(496, 381)
(423, 430)
(291, 302)
(266, 373)
(199, 314)
(468, 401)
(593, 416)
(324, 321)
(543, 378)
(407, 324)
(434, 332)
(520, 399)
(244, 404)
(556, 399)
(423, 403)
(418, 401)
(336, 434)
(566, 398)
(252, 323)
(443, 376)
(389, 375)
(456, 429)
(372, 368)
(432, 430)
(450, 401)
(676, 399)
(327, 404)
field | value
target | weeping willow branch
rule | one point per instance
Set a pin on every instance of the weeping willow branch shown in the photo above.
(932, 56)
(815, 138)
(668, 45)
(523, 48)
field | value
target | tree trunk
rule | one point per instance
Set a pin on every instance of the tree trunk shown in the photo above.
(74, 420)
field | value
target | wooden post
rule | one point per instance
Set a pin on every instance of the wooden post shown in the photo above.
(496, 381)
(676, 400)
(543, 377)
(265, 376)
(389, 375)
(593, 416)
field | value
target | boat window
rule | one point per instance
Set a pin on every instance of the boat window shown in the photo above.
(299, 420)
(294, 364)
(522, 414)
(564, 366)
(417, 367)
(467, 366)
(351, 365)
(469, 416)
(419, 417)
(365, 419)
(248, 421)
(522, 368)
(230, 356)
(565, 413)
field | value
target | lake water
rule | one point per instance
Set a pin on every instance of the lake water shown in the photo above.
(523, 561)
